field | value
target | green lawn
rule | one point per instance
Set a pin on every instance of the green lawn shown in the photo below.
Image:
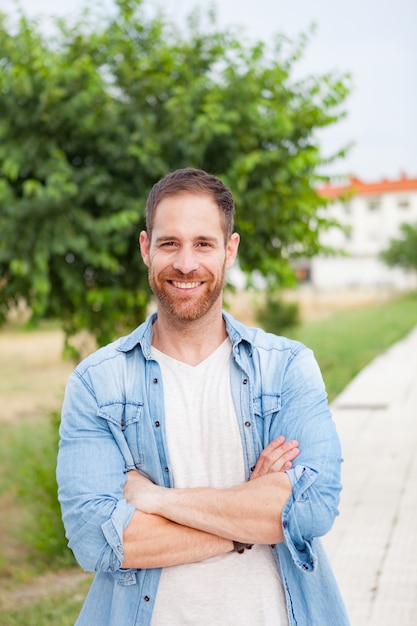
(346, 341)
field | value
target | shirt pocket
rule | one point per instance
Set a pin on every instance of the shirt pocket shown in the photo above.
(125, 420)
(266, 407)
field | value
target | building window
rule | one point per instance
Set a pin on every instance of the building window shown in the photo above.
(374, 204)
(403, 203)
(347, 207)
(303, 274)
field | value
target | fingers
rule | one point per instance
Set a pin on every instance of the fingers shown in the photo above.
(138, 490)
(276, 457)
(134, 482)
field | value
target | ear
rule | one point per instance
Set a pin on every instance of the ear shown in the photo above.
(231, 249)
(144, 244)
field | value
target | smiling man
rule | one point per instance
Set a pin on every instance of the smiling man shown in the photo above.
(187, 252)
(198, 462)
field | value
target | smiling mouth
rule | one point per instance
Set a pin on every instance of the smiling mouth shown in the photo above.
(181, 285)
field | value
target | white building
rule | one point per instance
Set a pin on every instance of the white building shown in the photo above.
(372, 214)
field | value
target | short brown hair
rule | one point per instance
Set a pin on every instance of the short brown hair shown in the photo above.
(194, 181)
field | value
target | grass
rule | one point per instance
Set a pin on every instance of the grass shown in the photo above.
(28, 460)
(32, 540)
(344, 343)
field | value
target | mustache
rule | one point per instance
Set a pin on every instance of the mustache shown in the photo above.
(179, 276)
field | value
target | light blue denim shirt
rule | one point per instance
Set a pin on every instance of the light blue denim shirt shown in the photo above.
(113, 421)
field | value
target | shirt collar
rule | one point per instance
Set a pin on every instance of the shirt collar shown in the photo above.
(142, 335)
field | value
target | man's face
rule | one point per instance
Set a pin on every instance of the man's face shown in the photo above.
(187, 255)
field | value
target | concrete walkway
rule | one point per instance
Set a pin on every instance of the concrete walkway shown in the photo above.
(373, 544)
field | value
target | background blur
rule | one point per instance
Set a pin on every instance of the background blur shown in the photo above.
(373, 40)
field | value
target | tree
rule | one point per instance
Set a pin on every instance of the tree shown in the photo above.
(92, 117)
(402, 252)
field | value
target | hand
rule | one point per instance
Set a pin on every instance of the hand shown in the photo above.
(140, 491)
(276, 457)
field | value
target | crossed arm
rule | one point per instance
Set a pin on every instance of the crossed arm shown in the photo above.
(176, 526)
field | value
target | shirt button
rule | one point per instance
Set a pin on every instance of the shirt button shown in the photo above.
(305, 566)
(122, 423)
(285, 524)
(157, 424)
(245, 381)
(247, 424)
(167, 469)
(155, 380)
(146, 598)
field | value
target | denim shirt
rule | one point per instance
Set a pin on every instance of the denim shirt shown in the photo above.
(113, 421)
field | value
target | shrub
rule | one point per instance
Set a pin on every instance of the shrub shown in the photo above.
(277, 316)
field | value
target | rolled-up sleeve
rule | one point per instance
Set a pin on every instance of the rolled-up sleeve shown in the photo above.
(316, 478)
(91, 473)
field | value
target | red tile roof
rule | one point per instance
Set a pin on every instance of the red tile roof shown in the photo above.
(355, 186)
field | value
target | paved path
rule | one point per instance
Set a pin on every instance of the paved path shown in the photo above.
(373, 544)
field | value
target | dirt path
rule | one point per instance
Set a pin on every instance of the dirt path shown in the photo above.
(32, 373)
(73, 582)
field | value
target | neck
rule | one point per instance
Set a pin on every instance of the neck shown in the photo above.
(189, 342)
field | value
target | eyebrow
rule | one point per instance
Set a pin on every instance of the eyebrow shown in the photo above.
(163, 238)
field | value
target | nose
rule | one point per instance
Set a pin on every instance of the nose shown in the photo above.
(186, 260)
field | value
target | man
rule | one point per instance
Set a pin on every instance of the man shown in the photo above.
(198, 460)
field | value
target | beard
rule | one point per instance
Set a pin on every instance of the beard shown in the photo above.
(185, 307)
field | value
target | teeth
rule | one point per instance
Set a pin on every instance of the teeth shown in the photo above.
(185, 285)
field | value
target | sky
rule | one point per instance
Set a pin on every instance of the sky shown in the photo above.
(373, 40)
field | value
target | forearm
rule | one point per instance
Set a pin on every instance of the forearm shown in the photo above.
(250, 512)
(152, 541)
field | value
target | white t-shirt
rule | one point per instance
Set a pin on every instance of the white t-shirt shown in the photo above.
(205, 450)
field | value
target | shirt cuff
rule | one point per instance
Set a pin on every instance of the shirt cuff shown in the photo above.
(113, 530)
(296, 511)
